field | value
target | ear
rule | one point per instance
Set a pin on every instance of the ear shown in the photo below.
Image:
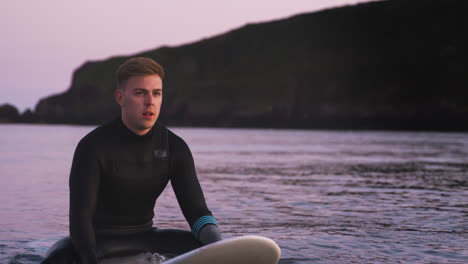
(118, 95)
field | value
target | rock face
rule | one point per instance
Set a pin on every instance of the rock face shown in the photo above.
(389, 64)
(9, 114)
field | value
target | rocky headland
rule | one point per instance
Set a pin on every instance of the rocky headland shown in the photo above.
(378, 65)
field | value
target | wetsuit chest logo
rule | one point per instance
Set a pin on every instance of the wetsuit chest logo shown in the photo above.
(160, 154)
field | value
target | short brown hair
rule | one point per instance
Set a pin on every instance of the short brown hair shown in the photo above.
(138, 66)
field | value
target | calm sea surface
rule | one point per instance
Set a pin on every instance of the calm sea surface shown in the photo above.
(323, 196)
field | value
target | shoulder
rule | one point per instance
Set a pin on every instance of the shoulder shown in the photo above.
(98, 136)
(175, 140)
(177, 146)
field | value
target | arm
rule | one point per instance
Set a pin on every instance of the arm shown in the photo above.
(84, 183)
(189, 193)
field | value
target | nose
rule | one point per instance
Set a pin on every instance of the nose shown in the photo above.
(149, 100)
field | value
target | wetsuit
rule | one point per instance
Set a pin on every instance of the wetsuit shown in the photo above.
(115, 179)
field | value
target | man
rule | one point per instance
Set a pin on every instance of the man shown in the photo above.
(119, 170)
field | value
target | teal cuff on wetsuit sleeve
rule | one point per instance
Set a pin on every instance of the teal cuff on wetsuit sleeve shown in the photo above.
(204, 220)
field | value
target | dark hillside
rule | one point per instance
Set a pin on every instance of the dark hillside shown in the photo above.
(380, 65)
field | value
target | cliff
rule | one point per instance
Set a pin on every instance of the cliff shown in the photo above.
(378, 65)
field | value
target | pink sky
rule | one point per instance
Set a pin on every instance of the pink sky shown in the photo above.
(43, 42)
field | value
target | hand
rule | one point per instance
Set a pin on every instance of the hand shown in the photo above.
(209, 234)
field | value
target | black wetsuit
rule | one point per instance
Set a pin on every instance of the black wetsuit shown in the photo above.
(115, 180)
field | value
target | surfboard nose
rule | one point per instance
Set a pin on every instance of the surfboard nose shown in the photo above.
(245, 249)
(262, 249)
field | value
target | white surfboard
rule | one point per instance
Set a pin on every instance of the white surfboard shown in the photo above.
(245, 249)
(238, 250)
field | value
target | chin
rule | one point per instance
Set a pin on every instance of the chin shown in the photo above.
(147, 124)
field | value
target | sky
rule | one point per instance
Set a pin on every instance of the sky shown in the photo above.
(43, 42)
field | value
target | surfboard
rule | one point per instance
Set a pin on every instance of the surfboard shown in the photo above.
(238, 250)
(244, 249)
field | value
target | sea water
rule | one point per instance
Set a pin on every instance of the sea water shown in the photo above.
(323, 196)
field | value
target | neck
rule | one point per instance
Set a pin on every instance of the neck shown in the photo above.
(135, 131)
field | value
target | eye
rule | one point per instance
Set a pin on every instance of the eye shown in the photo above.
(138, 92)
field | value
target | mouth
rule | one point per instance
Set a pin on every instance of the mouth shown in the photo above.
(148, 114)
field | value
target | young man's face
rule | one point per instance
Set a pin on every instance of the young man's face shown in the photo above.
(140, 99)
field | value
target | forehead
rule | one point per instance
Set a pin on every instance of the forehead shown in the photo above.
(147, 82)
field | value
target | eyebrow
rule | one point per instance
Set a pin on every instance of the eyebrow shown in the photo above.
(143, 89)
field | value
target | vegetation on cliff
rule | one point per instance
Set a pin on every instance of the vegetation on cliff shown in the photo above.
(8, 114)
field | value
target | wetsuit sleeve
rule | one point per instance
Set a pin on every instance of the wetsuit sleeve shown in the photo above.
(84, 183)
(187, 188)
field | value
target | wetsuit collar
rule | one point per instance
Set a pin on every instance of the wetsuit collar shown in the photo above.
(127, 131)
